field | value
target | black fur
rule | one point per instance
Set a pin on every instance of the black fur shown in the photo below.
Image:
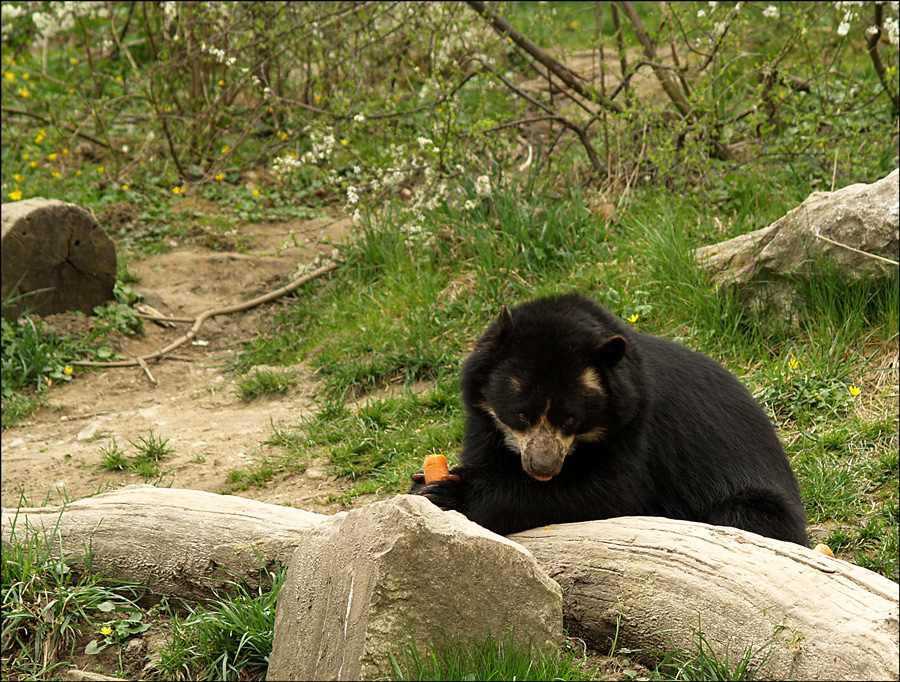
(681, 436)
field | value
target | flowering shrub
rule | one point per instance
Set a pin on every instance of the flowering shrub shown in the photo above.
(367, 101)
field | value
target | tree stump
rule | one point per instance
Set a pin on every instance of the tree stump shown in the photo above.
(55, 258)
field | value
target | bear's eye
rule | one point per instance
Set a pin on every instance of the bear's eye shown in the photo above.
(522, 417)
(569, 421)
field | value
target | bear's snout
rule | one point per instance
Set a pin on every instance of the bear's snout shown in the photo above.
(543, 453)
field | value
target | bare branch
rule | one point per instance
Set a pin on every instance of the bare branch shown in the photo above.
(504, 28)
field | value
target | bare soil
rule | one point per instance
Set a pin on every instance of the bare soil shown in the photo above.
(194, 403)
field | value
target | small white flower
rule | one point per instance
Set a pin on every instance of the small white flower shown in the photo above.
(844, 28)
(469, 205)
(424, 141)
(359, 118)
(771, 12)
(357, 216)
(872, 30)
(892, 28)
(701, 13)
(352, 196)
(483, 186)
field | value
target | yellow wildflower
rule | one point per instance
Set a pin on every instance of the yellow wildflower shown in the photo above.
(220, 176)
(100, 169)
(16, 194)
(56, 174)
(854, 390)
(794, 363)
(24, 93)
(33, 164)
(126, 187)
(19, 178)
(73, 61)
(69, 369)
(106, 631)
(345, 142)
(255, 192)
(633, 318)
(52, 156)
(9, 76)
(225, 149)
(221, 84)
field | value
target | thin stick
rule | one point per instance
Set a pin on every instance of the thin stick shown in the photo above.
(146, 369)
(864, 253)
(206, 314)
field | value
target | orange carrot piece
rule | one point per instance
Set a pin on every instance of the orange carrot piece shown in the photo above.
(435, 468)
(824, 549)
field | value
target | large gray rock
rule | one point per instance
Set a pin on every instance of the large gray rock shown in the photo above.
(58, 251)
(765, 265)
(360, 583)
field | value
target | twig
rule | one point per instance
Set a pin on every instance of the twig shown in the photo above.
(850, 248)
(504, 28)
(206, 314)
(872, 47)
(146, 369)
(70, 128)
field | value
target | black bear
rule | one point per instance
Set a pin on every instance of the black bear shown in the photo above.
(573, 416)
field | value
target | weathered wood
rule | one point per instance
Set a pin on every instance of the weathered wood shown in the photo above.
(58, 251)
(181, 540)
(657, 580)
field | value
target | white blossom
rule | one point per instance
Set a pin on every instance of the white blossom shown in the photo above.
(843, 28)
(352, 195)
(285, 164)
(771, 12)
(483, 186)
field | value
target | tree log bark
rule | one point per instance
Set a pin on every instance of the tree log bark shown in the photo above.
(181, 541)
(58, 255)
(658, 581)
(651, 583)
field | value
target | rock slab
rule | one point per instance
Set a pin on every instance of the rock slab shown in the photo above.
(363, 582)
(55, 254)
(766, 264)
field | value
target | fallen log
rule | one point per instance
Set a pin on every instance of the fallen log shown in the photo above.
(657, 580)
(181, 543)
(655, 584)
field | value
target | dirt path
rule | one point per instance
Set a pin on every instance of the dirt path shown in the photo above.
(194, 404)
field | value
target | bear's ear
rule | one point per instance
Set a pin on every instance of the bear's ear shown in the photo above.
(611, 350)
(504, 323)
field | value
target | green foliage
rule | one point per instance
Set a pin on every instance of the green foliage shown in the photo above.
(149, 451)
(229, 640)
(703, 663)
(263, 383)
(481, 659)
(48, 601)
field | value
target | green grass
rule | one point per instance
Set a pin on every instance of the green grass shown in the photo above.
(264, 383)
(228, 640)
(48, 601)
(149, 451)
(482, 659)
